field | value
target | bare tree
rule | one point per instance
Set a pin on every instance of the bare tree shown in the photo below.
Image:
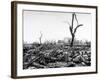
(73, 30)
(40, 38)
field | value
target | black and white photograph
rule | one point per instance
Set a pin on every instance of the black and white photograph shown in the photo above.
(56, 39)
(53, 39)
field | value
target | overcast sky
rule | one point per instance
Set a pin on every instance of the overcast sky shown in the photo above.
(53, 26)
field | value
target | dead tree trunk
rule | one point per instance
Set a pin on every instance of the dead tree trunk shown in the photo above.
(72, 40)
(73, 30)
(40, 38)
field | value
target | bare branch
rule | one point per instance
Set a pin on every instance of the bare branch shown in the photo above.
(77, 28)
(73, 19)
(76, 19)
(71, 31)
